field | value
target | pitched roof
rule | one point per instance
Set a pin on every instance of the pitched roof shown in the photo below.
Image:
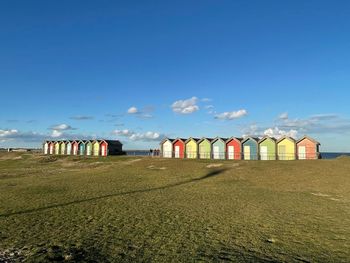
(219, 138)
(234, 138)
(191, 138)
(112, 142)
(309, 138)
(167, 139)
(179, 139)
(205, 139)
(251, 138)
(267, 137)
(285, 137)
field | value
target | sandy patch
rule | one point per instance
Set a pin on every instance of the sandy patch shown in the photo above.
(214, 165)
(320, 194)
(133, 161)
(152, 167)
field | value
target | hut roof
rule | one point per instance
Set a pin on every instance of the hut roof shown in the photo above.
(167, 139)
(250, 138)
(191, 138)
(112, 142)
(285, 137)
(309, 138)
(219, 138)
(179, 139)
(205, 139)
(234, 138)
(265, 138)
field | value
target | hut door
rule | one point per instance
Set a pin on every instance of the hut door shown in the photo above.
(302, 152)
(263, 153)
(103, 150)
(69, 148)
(189, 151)
(246, 152)
(282, 152)
(216, 152)
(231, 152)
(177, 151)
(45, 148)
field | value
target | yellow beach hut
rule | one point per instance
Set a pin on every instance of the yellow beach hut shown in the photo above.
(286, 148)
(191, 147)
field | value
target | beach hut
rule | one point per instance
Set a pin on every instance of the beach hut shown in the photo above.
(234, 148)
(179, 148)
(308, 148)
(88, 148)
(75, 147)
(96, 148)
(69, 147)
(204, 148)
(250, 148)
(191, 148)
(57, 147)
(286, 148)
(63, 147)
(166, 147)
(51, 147)
(46, 147)
(82, 147)
(219, 148)
(111, 147)
(267, 148)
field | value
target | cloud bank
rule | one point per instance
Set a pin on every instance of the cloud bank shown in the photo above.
(231, 115)
(187, 106)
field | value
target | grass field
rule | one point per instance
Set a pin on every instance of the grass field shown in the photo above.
(123, 209)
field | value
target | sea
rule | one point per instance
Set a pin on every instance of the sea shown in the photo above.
(331, 155)
(325, 155)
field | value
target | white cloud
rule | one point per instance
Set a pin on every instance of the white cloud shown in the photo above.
(256, 131)
(283, 116)
(209, 107)
(231, 115)
(133, 110)
(124, 132)
(81, 117)
(56, 133)
(278, 133)
(8, 133)
(16, 135)
(58, 130)
(61, 127)
(187, 106)
(147, 136)
(206, 99)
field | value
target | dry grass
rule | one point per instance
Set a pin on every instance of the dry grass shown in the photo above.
(121, 209)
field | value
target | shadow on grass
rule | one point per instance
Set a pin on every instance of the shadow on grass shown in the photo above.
(207, 176)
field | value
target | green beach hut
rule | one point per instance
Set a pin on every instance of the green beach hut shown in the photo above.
(63, 147)
(267, 148)
(57, 147)
(88, 147)
(204, 148)
(219, 148)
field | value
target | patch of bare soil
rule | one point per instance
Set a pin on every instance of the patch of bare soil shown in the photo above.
(214, 165)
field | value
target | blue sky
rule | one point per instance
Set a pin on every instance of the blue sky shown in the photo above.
(140, 70)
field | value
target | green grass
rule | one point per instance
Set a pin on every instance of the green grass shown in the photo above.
(123, 209)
